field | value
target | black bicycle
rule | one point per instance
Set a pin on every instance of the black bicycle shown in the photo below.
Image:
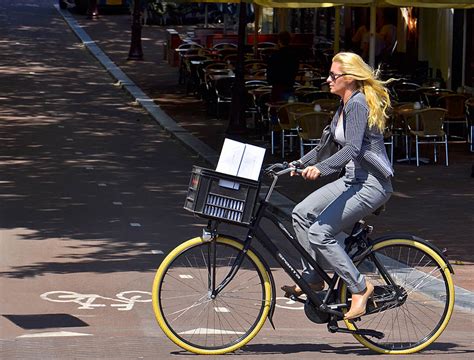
(212, 294)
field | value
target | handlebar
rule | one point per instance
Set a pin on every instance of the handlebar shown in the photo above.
(279, 169)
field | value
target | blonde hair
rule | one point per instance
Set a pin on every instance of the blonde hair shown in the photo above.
(368, 82)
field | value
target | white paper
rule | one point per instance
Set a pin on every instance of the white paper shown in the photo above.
(231, 155)
(251, 163)
(239, 159)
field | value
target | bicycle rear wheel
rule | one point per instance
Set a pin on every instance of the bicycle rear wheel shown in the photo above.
(182, 300)
(427, 300)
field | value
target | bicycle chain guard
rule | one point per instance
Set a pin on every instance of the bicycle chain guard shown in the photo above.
(313, 313)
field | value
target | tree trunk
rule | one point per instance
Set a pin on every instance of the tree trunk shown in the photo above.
(136, 52)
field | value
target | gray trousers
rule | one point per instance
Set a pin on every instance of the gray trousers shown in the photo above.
(331, 209)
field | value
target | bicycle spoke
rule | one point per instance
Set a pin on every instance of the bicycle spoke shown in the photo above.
(198, 318)
(424, 305)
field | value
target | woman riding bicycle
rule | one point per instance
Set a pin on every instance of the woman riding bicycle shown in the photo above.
(357, 127)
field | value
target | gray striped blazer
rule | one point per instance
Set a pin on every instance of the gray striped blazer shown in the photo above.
(364, 145)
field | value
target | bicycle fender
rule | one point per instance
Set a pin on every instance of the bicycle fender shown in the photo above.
(270, 276)
(413, 237)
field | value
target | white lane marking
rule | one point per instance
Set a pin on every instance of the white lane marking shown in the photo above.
(89, 168)
(183, 276)
(157, 252)
(135, 224)
(289, 304)
(102, 184)
(53, 334)
(117, 203)
(204, 331)
(124, 301)
(78, 153)
(221, 309)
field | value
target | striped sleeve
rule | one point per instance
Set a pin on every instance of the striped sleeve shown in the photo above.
(355, 121)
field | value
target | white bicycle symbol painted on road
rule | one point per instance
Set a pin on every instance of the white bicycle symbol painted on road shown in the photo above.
(285, 303)
(123, 301)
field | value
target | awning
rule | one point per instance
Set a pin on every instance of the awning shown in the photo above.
(457, 4)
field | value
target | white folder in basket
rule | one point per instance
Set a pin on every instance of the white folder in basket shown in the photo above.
(239, 159)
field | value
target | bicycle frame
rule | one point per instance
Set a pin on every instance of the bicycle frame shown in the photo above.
(256, 231)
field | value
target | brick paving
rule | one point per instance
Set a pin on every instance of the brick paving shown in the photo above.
(80, 164)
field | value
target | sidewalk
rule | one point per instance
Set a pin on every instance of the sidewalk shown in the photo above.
(431, 201)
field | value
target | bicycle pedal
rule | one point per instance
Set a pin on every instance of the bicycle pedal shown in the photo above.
(295, 298)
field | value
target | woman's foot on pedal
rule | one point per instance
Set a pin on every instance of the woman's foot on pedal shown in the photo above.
(297, 292)
(359, 302)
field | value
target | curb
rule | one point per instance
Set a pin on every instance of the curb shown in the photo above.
(280, 204)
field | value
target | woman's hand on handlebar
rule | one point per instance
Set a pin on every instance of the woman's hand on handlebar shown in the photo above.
(310, 173)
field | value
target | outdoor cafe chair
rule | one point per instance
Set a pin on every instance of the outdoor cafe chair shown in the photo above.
(456, 112)
(191, 76)
(257, 84)
(266, 45)
(222, 53)
(266, 53)
(470, 121)
(231, 59)
(257, 75)
(330, 105)
(224, 45)
(210, 76)
(304, 77)
(286, 119)
(301, 91)
(223, 90)
(310, 128)
(306, 67)
(406, 92)
(431, 131)
(431, 96)
(185, 50)
(262, 97)
(310, 96)
(203, 70)
(270, 109)
(403, 118)
(388, 139)
(252, 67)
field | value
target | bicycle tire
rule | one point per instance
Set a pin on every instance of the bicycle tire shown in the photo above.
(183, 307)
(426, 280)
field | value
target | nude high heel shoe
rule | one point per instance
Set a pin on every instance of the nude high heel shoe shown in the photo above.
(359, 302)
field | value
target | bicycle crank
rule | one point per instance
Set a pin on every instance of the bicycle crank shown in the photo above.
(334, 328)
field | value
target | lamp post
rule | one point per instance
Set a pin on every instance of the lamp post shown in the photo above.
(136, 52)
(237, 107)
(92, 10)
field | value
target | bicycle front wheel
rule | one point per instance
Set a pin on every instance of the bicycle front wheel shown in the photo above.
(185, 309)
(414, 320)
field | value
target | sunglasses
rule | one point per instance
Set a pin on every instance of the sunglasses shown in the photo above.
(335, 76)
